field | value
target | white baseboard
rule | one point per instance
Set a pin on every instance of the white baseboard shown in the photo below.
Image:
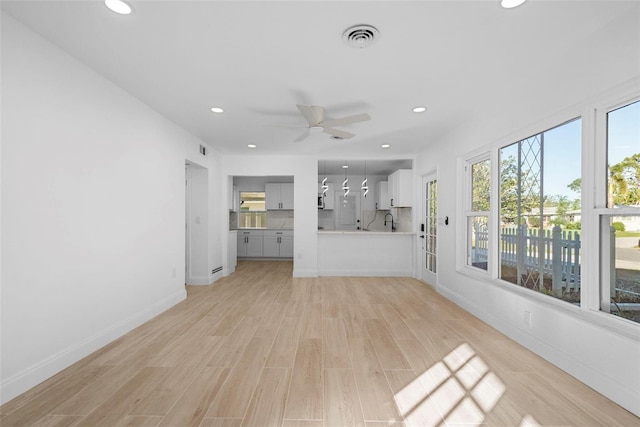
(304, 273)
(34, 375)
(199, 280)
(365, 273)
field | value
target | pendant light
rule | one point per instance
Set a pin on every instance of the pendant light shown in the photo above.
(345, 183)
(364, 187)
(325, 186)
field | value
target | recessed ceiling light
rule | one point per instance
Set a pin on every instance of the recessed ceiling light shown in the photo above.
(119, 6)
(419, 109)
(510, 4)
(345, 167)
(252, 146)
(217, 110)
(385, 146)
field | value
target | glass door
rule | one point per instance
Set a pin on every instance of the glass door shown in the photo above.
(429, 229)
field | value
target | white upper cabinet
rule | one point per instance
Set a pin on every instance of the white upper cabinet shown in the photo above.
(327, 203)
(401, 189)
(279, 196)
(382, 195)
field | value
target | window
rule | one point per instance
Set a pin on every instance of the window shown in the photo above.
(620, 220)
(253, 212)
(540, 212)
(477, 214)
(526, 205)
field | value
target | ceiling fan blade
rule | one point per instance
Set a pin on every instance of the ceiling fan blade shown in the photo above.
(346, 120)
(339, 133)
(312, 113)
(302, 137)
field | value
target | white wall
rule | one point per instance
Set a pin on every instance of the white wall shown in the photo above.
(93, 210)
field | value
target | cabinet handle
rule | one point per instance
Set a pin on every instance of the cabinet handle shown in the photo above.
(391, 202)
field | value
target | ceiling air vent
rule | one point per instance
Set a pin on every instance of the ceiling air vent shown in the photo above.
(360, 36)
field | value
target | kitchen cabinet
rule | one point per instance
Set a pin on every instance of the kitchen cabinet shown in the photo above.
(232, 252)
(278, 244)
(382, 195)
(279, 196)
(401, 188)
(327, 202)
(250, 243)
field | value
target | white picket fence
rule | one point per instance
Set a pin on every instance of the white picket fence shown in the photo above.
(555, 252)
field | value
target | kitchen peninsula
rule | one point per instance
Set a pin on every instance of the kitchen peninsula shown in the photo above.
(366, 229)
(365, 253)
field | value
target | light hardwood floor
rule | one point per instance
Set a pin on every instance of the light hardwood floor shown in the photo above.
(260, 348)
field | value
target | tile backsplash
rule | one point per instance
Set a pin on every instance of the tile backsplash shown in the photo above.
(279, 219)
(275, 219)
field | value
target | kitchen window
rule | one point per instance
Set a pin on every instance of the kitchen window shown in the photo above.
(253, 212)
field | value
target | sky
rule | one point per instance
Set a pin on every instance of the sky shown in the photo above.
(562, 148)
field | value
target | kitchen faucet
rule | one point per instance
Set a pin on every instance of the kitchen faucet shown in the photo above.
(393, 228)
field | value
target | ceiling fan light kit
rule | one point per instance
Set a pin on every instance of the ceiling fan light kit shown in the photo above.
(316, 120)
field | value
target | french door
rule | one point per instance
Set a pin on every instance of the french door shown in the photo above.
(429, 230)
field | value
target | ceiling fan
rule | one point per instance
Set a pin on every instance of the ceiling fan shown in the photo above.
(315, 117)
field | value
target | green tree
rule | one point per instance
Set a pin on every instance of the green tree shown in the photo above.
(624, 181)
(562, 207)
(510, 180)
(481, 186)
(575, 185)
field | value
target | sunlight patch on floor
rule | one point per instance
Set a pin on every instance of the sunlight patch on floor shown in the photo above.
(460, 389)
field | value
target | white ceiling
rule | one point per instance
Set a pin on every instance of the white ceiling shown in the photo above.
(257, 60)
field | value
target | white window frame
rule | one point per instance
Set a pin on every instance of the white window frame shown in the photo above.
(467, 213)
(593, 296)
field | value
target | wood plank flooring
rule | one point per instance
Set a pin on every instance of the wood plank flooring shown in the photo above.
(260, 348)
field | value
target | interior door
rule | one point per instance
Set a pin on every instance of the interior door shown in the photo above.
(429, 229)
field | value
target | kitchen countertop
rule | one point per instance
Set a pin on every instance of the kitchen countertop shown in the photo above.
(350, 232)
(258, 228)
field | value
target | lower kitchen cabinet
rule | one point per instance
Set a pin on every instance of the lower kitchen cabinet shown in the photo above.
(250, 243)
(278, 244)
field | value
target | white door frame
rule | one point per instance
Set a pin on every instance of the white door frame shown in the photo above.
(196, 225)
